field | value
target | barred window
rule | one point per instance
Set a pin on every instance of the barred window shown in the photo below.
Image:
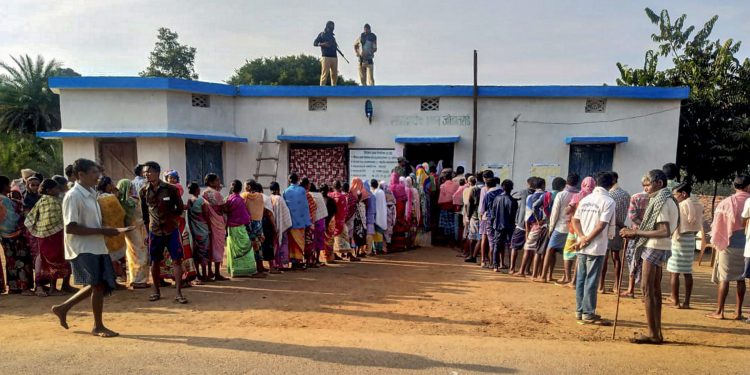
(317, 104)
(201, 101)
(430, 104)
(596, 105)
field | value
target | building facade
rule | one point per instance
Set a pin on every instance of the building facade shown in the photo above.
(341, 132)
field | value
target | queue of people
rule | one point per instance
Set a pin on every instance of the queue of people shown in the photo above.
(107, 235)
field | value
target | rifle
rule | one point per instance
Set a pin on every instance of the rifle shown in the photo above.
(342, 54)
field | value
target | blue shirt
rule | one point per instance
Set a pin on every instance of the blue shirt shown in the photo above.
(296, 199)
(502, 212)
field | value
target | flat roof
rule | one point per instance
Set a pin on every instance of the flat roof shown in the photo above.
(223, 89)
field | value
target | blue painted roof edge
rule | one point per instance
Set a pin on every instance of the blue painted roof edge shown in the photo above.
(589, 140)
(142, 83)
(162, 134)
(317, 138)
(177, 84)
(435, 139)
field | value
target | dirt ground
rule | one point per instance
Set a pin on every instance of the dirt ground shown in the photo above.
(423, 311)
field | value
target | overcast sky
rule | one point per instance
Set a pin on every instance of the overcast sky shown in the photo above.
(419, 42)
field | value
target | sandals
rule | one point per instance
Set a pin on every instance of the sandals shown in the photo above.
(181, 300)
(154, 297)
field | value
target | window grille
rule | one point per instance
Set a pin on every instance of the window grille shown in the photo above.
(201, 101)
(430, 104)
(596, 105)
(317, 104)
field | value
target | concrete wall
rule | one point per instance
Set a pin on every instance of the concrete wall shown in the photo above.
(76, 148)
(217, 118)
(108, 110)
(538, 138)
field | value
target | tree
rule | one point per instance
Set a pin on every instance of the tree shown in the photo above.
(714, 138)
(27, 105)
(170, 58)
(18, 151)
(301, 70)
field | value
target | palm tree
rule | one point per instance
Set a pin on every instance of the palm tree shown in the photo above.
(26, 103)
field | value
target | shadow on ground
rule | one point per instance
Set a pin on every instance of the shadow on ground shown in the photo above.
(329, 354)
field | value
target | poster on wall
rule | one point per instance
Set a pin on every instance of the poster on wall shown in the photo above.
(547, 171)
(369, 163)
(501, 170)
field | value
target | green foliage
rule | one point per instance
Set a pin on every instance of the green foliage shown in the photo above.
(714, 138)
(18, 151)
(170, 58)
(26, 103)
(302, 70)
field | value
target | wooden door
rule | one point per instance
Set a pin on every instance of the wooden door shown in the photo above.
(118, 158)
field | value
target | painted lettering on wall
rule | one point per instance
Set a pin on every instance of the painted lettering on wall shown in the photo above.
(431, 120)
(371, 163)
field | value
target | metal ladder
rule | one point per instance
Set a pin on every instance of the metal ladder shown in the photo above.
(261, 158)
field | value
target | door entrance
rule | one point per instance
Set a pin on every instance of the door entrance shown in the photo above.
(588, 160)
(118, 158)
(418, 153)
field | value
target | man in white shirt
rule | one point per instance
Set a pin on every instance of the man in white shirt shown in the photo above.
(594, 219)
(654, 236)
(85, 247)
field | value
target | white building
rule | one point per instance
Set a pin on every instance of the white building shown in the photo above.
(199, 127)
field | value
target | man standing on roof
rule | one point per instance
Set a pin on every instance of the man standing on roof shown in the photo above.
(329, 62)
(365, 47)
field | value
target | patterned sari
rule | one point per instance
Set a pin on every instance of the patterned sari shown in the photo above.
(217, 223)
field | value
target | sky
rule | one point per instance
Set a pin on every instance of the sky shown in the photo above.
(530, 42)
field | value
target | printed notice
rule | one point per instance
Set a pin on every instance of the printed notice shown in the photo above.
(371, 163)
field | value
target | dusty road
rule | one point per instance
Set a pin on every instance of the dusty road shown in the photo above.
(423, 311)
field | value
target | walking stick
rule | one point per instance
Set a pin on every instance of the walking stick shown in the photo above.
(619, 286)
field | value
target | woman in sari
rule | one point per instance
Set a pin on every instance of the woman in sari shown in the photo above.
(319, 223)
(569, 253)
(341, 245)
(13, 234)
(402, 226)
(217, 224)
(283, 218)
(330, 224)
(390, 200)
(359, 220)
(240, 259)
(198, 219)
(113, 216)
(45, 223)
(370, 207)
(415, 209)
(137, 252)
(253, 197)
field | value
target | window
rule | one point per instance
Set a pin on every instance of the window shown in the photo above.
(202, 101)
(317, 104)
(596, 105)
(430, 104)
(203, 158)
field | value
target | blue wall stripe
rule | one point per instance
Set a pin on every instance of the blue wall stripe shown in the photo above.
(409, 139)
(176, 84)
(317, 138)
(589, 140)
(166, 134)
